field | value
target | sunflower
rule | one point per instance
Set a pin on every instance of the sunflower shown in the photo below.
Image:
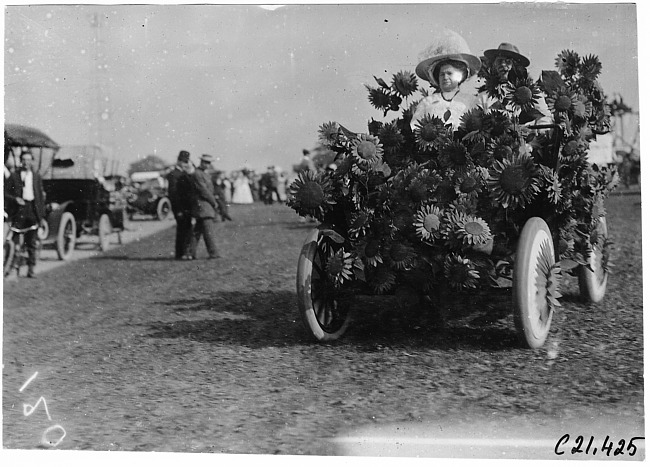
(379, 98)
(360, 223)
(400, 255)
(498, 123)
(460, 272)
(471, 182)
(474, 123)
(454, 155)
(446, 192)
(366, 150)
(429, 132)
(552, 184)
(382, 279)
(500, 148)
(423, 185)
(513, 181)
(427, 223)
(402, 218)
(567, 63)
(590, 67)
(311, 194)
(522, 95)
(390, 137)
(562, 101)
(339, 267)
(472, 230)
(328, 133)
(369, 251)
(405, 83)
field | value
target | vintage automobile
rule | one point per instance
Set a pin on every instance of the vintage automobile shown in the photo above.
(148, 195)
(79, 199)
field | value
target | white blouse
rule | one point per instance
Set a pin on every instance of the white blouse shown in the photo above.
(436, 106)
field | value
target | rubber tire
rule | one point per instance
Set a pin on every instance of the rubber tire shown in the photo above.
(105, 229)
(163, 209)
(532, 326)
(594, 284)
(66, 237)
(307, 276)
(43, 230)
(9, 252)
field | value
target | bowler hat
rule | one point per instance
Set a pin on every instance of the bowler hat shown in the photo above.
(448, 45)
(184, 156)
(508, 50)
(207, 158)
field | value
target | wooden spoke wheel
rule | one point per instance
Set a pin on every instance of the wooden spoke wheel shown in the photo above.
(66, 236)
(533, 282)
(324, 309)
(105, 230)
(593, 282)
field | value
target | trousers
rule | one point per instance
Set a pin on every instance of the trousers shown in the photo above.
(184, 235)
(206, 227)
(26, 217)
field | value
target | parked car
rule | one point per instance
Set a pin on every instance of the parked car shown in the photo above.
(80, 198)
(148, 195)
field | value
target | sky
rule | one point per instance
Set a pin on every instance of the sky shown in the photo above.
(251, 86)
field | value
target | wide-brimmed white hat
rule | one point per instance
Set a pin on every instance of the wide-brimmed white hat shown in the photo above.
(447, 45)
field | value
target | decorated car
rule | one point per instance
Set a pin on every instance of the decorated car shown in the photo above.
(495, 204)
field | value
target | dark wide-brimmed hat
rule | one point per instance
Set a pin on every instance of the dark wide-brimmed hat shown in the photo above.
(184, 156)
(207, 158)
(507, 50)
(448, 45)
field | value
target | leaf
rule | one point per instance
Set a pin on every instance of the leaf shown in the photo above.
(333, 235)
(381, 82)
(568, 264)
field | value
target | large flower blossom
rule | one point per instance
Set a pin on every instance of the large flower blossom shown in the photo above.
(405, 83)
(472, 230)
(369, 250)
(339, 267)
(461, 272)
(366, 150)
(562, 101)
(567, 62)
(522, 95)
(379, 98)
(430, 132)
(382, 279)
(455, 156)
(400, 255)
(328, 133)
(360, 223)
(513, 182)
(390, 136)
(311, 194)
(427, 223)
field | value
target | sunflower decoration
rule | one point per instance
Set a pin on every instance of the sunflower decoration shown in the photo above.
(475, 124)
(339, 267)
(567, 63)
(369, 250)
(390, 137)
(455, 156)
(423, 185)
(430, 132)
(547, 280)
(501, 148)
(472, 230)
(428, 221)
(461, 272)
(513, 182)
(366, 150)
(561, 102)
(328, 134)
(590, 68)
(551, 183)
(522, 95)
(400, 255)
(405, 83)
(311, 194)
(379, 98)
(574, 152)
(382, 279)
(498, 123)
(583, 108)
(470, 183)
(402, 217)
(446, 191)
(359, 223)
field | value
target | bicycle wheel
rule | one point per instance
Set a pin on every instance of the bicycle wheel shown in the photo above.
(8, 256)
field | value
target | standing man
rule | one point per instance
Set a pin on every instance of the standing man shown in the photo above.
(205, 207)
(180, 194)
(25, 190)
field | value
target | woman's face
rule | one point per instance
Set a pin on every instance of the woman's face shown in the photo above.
(449, 77)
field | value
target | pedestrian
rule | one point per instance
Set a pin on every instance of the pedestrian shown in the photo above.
(25, 190)
(205, 208)
(219, 194)
(180, 191)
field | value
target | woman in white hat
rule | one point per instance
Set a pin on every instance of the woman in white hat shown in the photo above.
(446, 64)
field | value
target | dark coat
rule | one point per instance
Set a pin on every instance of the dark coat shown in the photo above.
(204, 204)
(14, 189)
(180, 191)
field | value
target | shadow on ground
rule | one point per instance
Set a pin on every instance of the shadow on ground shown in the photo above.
(263, 319)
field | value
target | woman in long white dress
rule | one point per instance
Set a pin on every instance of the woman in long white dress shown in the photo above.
(242, 191)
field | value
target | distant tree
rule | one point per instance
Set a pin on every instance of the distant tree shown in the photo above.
(148, 164)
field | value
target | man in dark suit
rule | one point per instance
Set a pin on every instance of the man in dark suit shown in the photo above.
(205, 207)
(25, 190)
(180, 195)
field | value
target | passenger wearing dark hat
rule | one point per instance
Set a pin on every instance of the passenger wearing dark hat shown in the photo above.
(505, 59)
(205, 207)
(180, 192)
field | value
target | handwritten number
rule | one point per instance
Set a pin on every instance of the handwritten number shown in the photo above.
(29, 409)
(591, 440)
(47, 442)
(619, 449)
(563, 440)
(608, 448)
(579, 441)
(632, 445)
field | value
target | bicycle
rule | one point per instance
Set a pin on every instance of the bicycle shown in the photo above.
(15, 253)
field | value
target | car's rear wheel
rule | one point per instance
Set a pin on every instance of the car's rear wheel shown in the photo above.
(66, 237)
(163, 209)
(105, 231)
